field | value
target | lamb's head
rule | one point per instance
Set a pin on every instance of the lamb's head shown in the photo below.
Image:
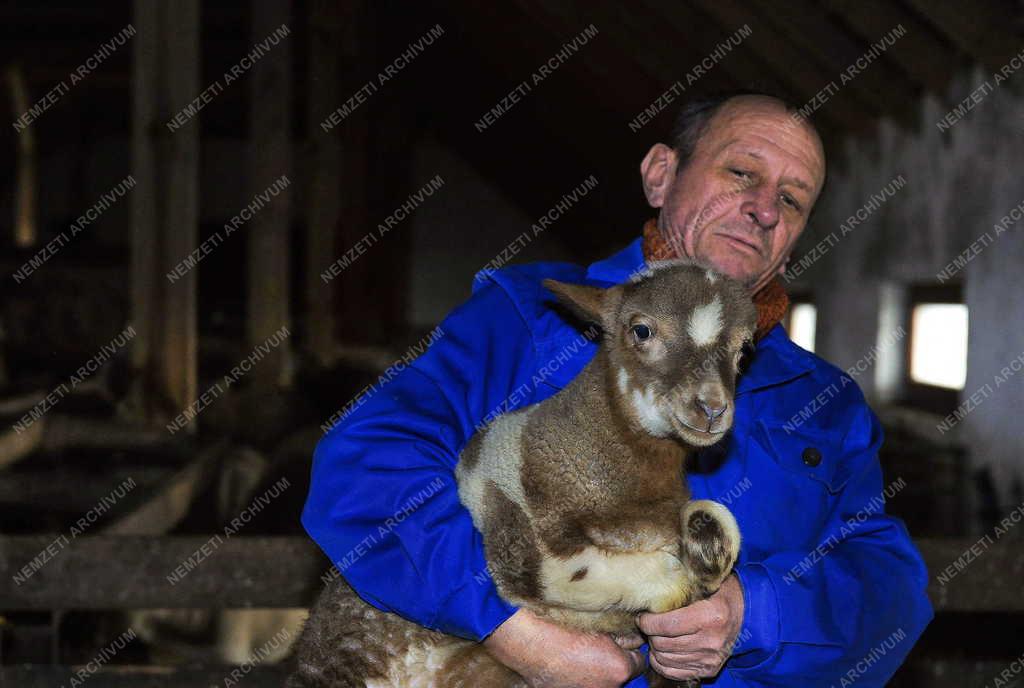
(674, 340)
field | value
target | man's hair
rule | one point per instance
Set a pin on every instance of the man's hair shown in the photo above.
(694, 117)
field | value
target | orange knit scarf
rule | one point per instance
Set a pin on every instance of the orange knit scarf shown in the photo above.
(771, 299)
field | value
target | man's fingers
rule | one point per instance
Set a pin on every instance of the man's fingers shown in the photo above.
(674, 623)
(677, 674)
(694, 642)
(704, 663)
(674, 660)
(628, 641)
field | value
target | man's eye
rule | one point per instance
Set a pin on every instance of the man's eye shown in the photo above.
(641, 332)
(790, 201)
(739, 173)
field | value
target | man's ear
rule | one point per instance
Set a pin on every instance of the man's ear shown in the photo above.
(591, 304)
(658, 171)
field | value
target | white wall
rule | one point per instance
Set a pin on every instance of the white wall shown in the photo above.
(959, 183)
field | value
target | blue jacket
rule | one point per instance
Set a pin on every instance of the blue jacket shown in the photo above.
(833, 586)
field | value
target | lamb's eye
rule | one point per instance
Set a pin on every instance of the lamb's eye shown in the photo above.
(641, 332)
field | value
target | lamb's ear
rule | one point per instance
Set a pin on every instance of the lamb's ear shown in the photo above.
(592, 304)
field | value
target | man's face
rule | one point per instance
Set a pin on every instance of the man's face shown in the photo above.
(743, 199)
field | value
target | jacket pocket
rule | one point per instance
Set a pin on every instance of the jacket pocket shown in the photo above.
(810, 452)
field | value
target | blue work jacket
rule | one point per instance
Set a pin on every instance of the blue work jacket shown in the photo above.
(833, 586)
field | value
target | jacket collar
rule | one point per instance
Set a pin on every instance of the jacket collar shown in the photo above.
(776, 358)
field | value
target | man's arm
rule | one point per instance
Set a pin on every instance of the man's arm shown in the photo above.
(384, 505)
(851, 608)
(383, 502)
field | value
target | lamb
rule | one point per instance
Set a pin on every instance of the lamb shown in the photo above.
(581, 499)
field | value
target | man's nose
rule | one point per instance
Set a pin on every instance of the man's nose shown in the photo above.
(762, 207)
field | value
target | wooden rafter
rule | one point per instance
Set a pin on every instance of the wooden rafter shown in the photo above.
(706, 33)
(915, 52)
(782, 58)
(981, 29)
(829, 44)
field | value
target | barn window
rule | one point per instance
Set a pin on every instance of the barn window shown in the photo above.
(937, 346)
(801, 321)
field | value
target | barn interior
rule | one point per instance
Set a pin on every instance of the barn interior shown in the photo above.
(225, 223)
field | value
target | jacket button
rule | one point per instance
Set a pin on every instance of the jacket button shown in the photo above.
(811, 456)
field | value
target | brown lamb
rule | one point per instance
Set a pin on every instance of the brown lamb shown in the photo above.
(581, 499)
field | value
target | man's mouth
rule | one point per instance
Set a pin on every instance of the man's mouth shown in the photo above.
(744, 244)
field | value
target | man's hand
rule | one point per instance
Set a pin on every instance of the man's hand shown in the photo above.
(695, 641)
(552, 656)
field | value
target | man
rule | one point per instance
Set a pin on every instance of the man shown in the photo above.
(827, 586)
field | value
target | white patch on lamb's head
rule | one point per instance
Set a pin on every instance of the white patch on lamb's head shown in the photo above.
(649, 269)
(642, 273)
(706, 322)
(669, 263)
(648, 414)
(623, 381)
(712, 277)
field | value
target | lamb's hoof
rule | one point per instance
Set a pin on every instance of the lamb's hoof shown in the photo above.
(711, 543)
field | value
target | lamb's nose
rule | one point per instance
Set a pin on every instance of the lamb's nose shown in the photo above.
(712, 411)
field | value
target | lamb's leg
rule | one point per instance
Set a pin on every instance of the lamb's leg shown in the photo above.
(711, 544)
(597, 580)
(628, 560)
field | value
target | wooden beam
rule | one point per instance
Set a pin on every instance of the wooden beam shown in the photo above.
(69, 490)
(915, 52)
(165, 206)
(128, 572)
(705, 33)
(635, 43)
(166, 505)
(646, 36)
(602, 66)
(984, 30)
(270, 105)
(136, 572)
(809, 29)
(325, 21)
(347, 292)
(25, 187)
(782, 58)
(112, 676)
(378, 148)
(933, 673)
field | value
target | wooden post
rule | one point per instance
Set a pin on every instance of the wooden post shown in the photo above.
(324, 151)
(165, 205)
(270, 104)
(378, 143)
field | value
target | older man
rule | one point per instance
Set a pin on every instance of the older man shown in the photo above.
(827, 586)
